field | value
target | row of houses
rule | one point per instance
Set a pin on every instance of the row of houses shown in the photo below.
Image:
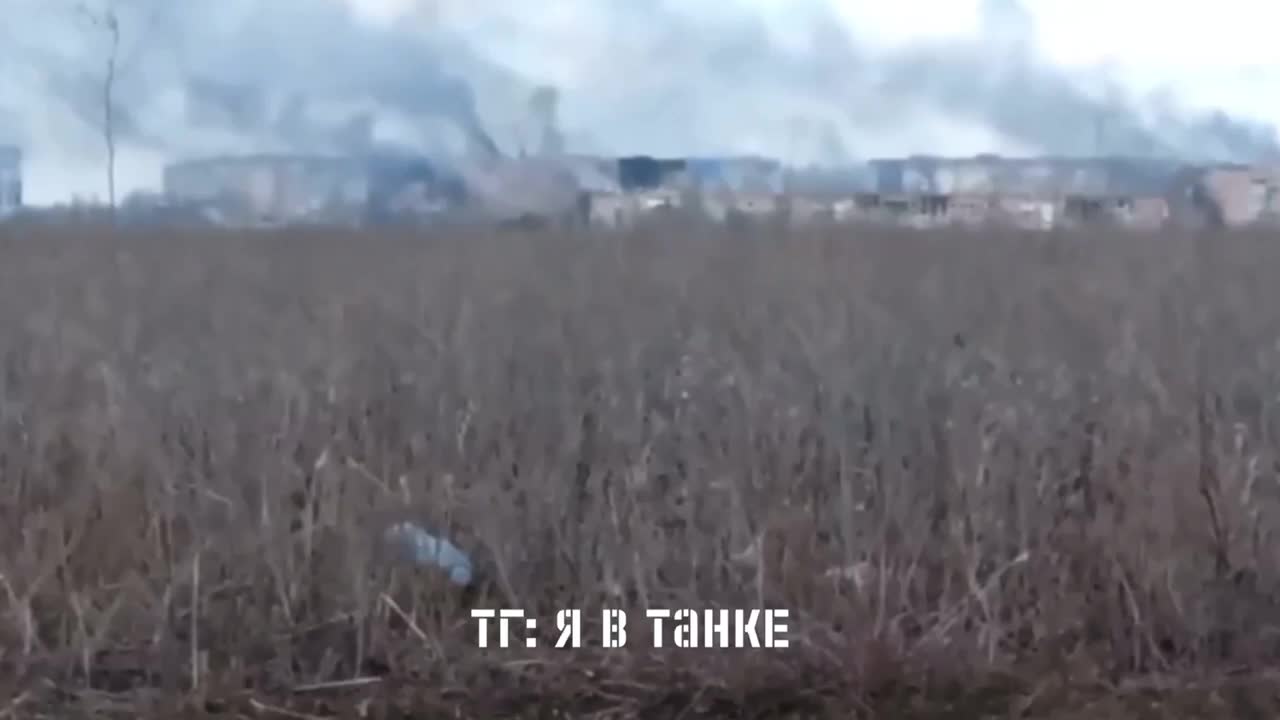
(271, 189)
(1031, 193)
(920, 191)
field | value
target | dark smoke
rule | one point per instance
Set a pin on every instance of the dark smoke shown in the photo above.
(998, 80)
(288, 74)
(306, 54)
(662, 77)
(726, 82)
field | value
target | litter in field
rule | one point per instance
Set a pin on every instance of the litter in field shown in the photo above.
(429, 551)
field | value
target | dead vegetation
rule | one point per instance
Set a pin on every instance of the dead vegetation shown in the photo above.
(988, 474)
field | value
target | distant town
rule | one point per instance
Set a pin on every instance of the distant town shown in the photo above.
(1034, 193)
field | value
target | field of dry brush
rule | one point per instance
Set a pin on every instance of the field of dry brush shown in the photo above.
(989, 475)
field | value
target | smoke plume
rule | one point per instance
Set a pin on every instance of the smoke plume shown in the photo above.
(611, 76)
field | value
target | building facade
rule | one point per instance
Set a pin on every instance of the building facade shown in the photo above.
(275, 189)
(10, 180)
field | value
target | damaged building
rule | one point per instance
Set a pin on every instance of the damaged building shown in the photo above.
(620, 192)
(721, 189)
(10, 180)
(284, 189)
(745, 175)
(519, 192)
(1039, 176)
(641, 172)
(1227, 196)
(829, 182)
(1038, 193)
(620, 210)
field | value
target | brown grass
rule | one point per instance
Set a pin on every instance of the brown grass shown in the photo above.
(1052, 460)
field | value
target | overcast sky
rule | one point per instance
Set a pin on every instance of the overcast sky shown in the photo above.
(1173, 36)
(802, 80)
(1220, 52)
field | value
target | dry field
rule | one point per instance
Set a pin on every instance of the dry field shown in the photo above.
(989, 475)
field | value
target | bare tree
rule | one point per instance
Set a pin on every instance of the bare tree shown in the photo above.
(109, 22)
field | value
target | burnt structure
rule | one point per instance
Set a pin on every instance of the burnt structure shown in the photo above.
(641, 172)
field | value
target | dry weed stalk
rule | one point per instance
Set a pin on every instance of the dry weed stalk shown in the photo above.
(949, 456)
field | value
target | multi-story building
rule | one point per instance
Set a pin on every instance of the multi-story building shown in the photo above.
(10, 180)
(273, 189)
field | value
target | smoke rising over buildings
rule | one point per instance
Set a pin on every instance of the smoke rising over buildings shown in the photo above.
(216, 76)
